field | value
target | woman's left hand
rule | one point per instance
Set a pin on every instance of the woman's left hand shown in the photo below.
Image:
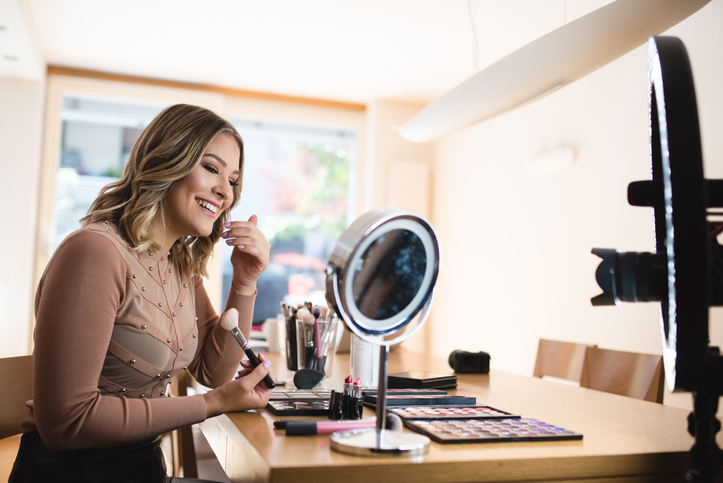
(250, 256)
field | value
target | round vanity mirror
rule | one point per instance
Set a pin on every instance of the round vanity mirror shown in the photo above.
(382, 272)
(380, 280)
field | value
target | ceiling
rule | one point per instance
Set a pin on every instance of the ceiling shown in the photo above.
(351, 50)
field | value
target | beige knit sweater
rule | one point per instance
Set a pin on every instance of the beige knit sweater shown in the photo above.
(113, 327)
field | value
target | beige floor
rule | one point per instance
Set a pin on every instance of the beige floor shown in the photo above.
(208, 466)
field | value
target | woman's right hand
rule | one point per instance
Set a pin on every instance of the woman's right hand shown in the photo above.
(247, 391)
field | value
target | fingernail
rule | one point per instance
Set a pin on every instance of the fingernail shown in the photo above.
(267, 364)
(245, 361)
(228, 242)
(227, 224)
(224, 234)
(240, 247)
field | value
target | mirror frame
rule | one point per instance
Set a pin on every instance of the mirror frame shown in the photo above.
(352, 245)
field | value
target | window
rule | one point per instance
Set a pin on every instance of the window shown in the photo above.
(96, 138)
(297, 180)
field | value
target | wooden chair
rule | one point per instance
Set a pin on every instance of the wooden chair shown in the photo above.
(191, 455)
(563, 360)
(16, 374)
(640, 376)
(183, 447)
(16, 377)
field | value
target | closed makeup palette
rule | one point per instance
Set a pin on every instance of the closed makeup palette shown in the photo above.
(407, 392)
(421, 400)
(490, 430)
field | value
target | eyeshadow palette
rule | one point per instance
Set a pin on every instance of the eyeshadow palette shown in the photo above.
(299, 408)
(490, 430)
(421, 400)
(300, 394)
(450, 412)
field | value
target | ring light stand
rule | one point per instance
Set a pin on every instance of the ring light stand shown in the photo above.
(380, 280)
(685, 274)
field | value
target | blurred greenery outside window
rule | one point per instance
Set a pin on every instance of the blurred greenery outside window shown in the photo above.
(297, 180)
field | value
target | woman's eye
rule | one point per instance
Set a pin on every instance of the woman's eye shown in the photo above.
(233, 183)
(210, 168)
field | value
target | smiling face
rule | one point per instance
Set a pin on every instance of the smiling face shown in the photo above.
(196, 201)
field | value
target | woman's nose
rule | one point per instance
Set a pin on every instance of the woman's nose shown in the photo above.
(223, 191)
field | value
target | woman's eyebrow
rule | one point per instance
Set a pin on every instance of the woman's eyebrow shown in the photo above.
(221, 161)
(217, 159)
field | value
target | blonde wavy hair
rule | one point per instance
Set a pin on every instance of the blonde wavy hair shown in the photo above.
(168, 149)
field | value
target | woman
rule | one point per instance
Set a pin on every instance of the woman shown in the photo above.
(121, 309)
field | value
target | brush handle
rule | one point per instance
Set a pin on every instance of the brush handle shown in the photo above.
(255, 362)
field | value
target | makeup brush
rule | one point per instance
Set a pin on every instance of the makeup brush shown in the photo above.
(229, 321)
(303, 428)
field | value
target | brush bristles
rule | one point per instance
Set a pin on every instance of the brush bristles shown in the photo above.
(229, 319)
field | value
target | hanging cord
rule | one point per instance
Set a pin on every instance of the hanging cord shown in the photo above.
(474, 35)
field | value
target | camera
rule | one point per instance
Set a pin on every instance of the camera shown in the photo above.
(630, 277)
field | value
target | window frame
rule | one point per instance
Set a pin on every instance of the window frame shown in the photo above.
(228, 103)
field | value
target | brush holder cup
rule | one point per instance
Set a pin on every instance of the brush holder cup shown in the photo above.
(316, 344)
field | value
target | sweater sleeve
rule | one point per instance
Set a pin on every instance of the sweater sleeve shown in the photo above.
(219, 354)
(77, 300)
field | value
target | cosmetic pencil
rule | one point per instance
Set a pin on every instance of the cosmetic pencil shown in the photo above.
(229, 321)
(301, 428)
(296, 427)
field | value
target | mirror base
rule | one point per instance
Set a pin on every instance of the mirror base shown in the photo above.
(373, 442)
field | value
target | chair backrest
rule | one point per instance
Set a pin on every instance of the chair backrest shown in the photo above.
(560, 359)
(16, 387)
(640, 376)
(183, 447)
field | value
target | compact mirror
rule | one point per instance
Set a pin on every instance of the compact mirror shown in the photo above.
(380, 280)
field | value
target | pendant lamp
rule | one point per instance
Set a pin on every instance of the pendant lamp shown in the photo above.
(549, 63)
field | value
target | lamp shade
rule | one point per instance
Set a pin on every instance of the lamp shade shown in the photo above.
(549, 63)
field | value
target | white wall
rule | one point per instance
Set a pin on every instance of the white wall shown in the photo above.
(401, 172)
(21, 120)
(516, 247)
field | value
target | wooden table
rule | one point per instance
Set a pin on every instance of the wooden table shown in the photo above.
(624, 439)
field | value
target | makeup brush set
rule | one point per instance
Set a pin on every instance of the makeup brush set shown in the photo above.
(310, 343)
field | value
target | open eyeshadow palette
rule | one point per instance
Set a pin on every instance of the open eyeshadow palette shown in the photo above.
(299, 408)
(490, 430)
(450, 412)
(300, 395)
(299, 402)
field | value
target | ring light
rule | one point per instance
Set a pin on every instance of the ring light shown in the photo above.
(685, 274)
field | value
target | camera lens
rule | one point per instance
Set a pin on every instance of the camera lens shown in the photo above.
(630, 277)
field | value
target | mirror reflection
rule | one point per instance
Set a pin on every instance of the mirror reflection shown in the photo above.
(389, 274)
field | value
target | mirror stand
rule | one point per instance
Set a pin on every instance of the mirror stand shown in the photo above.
(380, 276)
